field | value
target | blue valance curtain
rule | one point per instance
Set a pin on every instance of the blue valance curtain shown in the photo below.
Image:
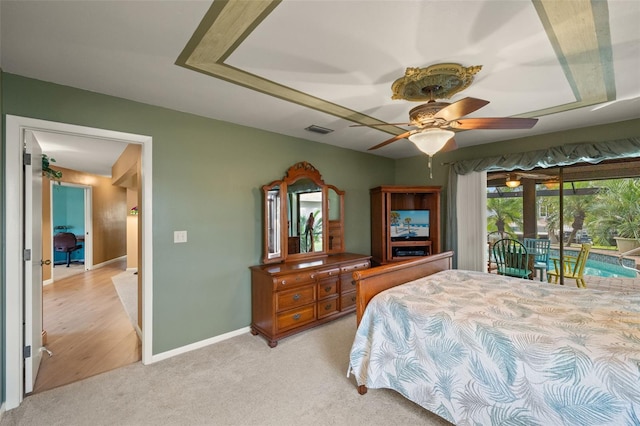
(563, 155)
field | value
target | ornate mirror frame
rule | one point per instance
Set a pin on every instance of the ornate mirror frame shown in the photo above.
(278, 245)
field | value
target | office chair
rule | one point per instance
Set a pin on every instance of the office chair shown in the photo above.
(66, 242)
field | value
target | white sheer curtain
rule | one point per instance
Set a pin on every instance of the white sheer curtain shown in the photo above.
(471, 211)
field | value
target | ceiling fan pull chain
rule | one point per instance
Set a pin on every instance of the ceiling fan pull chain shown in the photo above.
(430, 171)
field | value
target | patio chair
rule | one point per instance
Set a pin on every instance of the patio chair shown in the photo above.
(572, 267)
(492, 237)
(539, 248)
(512, 258)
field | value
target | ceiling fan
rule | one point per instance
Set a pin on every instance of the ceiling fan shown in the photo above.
(441, 118)
(434, 121)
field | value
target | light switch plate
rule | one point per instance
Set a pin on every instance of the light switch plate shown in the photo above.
(179, 236)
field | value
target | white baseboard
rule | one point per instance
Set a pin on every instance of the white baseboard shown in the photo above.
(47, 282)
(197, 345)
(132, 269)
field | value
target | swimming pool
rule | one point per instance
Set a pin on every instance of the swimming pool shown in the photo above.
(609, 270)
(601, 265)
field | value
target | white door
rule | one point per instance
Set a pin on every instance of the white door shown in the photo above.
(32, 267)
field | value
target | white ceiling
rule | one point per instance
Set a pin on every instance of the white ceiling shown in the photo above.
(536, 59)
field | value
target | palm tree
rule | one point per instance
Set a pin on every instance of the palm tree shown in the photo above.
(575, 210)
(616, 210)
(407, 222)
(502, 213)
(394, 217)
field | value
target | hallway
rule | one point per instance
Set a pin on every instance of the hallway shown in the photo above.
(88, 330)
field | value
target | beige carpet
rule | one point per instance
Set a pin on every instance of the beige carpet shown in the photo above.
(126, 284)
(240, 381)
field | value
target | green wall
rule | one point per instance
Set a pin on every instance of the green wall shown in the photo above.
(207, 176)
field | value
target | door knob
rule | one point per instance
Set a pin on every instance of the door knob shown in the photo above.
(45, 262)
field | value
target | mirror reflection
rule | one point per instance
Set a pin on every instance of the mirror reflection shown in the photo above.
(304, 217)
(273, 231)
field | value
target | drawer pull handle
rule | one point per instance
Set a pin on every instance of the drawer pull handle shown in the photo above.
(296, 317)
(283, 282)
(328, 307)
(353, 283)
(296, 297)
(353, 298)
(327, 289)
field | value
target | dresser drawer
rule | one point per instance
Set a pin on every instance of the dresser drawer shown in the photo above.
(296, 297)
(347, 284)
(347, 301)
(327, 273)
(292, 280)
(327, 307)
(295, 318)
(354, 267)
(327, 288)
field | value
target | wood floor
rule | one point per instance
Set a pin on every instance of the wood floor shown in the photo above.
(87, 328)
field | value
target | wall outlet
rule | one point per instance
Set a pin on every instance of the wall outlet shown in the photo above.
(179, 236)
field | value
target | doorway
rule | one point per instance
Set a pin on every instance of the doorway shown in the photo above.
(17, 308)
(70, 212)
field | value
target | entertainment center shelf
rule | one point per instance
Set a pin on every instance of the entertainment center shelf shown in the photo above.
(406, 249)
(405, 222)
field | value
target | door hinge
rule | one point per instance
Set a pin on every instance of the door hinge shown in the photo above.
(26, 158)
(27, 254)
(26, 352)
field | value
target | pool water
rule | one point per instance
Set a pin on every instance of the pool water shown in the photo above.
(598, 268)
(609, 270)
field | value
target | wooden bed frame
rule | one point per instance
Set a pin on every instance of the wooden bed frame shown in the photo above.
(370, 282)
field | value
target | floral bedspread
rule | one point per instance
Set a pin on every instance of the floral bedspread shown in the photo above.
(483, 349)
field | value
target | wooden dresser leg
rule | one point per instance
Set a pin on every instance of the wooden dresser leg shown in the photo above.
(273, 343)
(362, 389)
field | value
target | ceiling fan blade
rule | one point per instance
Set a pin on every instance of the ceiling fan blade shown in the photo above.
(460, 108)
(393, 139)
(496, 123)
(382, 124)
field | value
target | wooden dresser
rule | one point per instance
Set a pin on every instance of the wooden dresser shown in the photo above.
(294, 296)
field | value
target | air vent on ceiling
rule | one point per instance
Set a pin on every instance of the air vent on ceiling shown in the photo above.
(318, 129)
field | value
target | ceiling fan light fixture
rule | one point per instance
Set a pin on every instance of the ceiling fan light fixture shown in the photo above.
(552, 184)
(512, 181)
(431, 141)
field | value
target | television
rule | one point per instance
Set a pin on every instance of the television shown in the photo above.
(408, 224)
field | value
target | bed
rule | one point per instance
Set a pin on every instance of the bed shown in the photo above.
(482, 349)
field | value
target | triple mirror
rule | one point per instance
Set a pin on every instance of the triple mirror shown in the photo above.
(303, 216)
